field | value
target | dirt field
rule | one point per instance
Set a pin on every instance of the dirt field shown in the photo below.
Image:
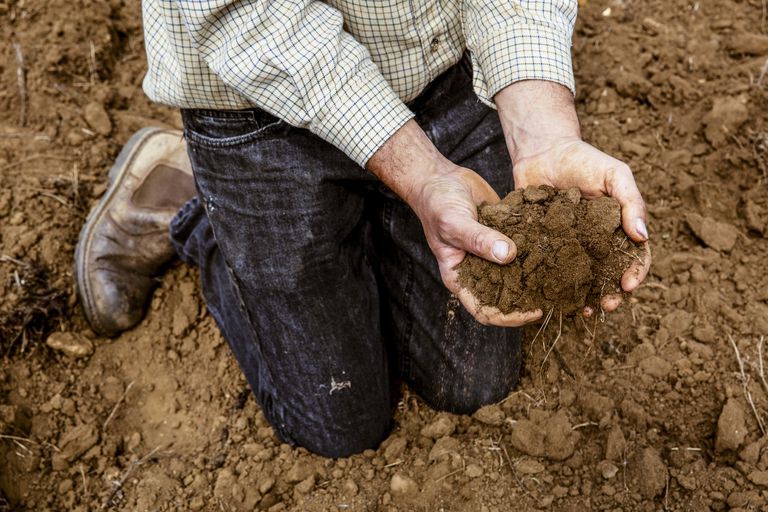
(645, 410)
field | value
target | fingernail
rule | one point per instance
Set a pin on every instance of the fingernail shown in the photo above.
(640, 226)
(500, 250)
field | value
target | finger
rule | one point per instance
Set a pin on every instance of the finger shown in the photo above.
(471, 236)
(610, 302)
(623, 188)
(637, 270)
(488, 315)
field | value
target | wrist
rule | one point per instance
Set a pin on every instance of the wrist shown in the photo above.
(536, 115)
(406, 161)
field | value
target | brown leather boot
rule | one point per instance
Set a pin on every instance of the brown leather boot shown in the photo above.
(125, 243)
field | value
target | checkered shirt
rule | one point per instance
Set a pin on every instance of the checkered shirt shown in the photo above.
(345, 69)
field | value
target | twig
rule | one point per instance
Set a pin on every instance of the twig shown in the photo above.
(6, 258)
(514, 473)
(21, 78)
(585, 424)
(762, 369)
(551, 347)
(27, 440)
(55, 197)
(543, 325)
(744, 381)
(396, 463)
(119, 483)
(92, 63)
(763, 71)
(119, 401)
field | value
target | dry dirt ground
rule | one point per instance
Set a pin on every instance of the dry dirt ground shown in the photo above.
(647, 409)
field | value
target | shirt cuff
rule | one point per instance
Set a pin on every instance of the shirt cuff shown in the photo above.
(521, 52)
(362, 115)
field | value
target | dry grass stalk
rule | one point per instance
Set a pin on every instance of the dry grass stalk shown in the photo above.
(744, 384)
(21, 78)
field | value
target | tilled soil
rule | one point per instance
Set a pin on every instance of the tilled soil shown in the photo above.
(571, 252)
(648, 408)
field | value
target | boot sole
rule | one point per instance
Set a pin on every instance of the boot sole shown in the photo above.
(115, 178)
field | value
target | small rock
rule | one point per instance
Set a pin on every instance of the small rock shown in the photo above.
(299, 472)
(544, 435)
(648, 473)
(633, 148)
(395, 449)
(705, 333)
(724, 120)
(473, 471)
(73, 444)
(608, 469)
(751, 453)
(490, 415)
(444, 446)
(225, 481)
(97, 118)
(731, 427)
(615, 445)
(745, 43)
(656, 366)
(573, 195)
(306, 485)
(350, 488)
(70, 344)
(535, 194)
(720, 236)
(758, 478)
(403, 485)
(442, 426)
(529, 467)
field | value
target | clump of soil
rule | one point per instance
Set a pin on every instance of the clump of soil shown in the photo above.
(570, 252)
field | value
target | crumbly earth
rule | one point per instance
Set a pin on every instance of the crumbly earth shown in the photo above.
(570, 252)
(643, 410)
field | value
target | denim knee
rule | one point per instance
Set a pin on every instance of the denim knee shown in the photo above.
(338, 437)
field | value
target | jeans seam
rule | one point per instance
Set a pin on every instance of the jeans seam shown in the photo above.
(279, 409)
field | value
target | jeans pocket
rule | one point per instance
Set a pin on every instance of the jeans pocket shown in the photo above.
(224, 128)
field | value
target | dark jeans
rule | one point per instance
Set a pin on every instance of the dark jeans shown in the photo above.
(321, 279)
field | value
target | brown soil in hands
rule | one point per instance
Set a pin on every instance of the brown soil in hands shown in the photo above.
(570, 252)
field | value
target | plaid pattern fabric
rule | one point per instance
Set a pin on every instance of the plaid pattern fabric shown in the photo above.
(345, 69)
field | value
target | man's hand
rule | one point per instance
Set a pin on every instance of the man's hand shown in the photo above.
(445, 198)
(542, 133)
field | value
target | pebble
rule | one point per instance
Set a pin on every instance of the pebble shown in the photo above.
(535, 194)
(490, 415)
(731, 427)
(473, 471)
(395, 449)
(608, 469)
(70, 344)
(97, 118)
(529, 467)
(402, 485)
(306, 485)
(299, 472)
(74, 443)
(442, 426)
(759, 478)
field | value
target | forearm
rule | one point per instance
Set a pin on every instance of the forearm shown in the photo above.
(535, 114)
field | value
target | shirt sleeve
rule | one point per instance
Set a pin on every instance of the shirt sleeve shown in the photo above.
(293, 59)
(514, 40)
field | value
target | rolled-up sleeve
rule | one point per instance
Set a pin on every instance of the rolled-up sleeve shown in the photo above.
(519, 40)
(293, 59)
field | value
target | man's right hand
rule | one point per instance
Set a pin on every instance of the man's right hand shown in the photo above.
(445, 197)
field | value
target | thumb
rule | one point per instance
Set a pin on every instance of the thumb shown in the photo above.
(633, 210)
(482, 241)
